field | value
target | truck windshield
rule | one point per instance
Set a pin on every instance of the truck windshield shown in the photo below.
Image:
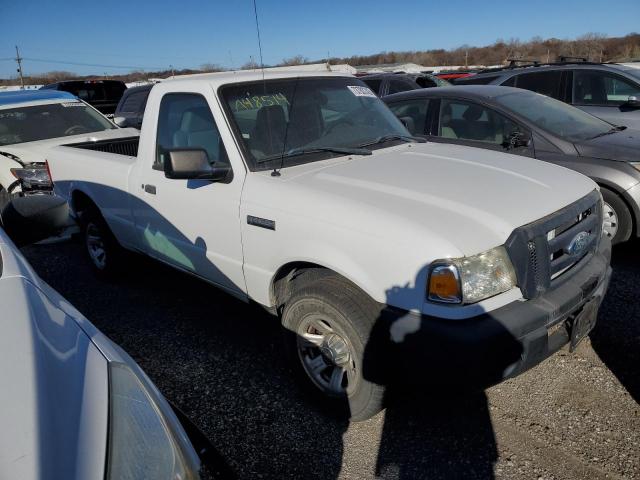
(41, 122)
(299, 120)
(555, 116)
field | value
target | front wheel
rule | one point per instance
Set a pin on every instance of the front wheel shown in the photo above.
(328, 324)
(617, 221)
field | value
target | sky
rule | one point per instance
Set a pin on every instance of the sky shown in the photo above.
(117, 37)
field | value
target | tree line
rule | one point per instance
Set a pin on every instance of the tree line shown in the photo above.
(592, 46)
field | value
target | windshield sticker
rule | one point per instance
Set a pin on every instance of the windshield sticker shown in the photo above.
(359, 91)
(73, 104)
(257, 102)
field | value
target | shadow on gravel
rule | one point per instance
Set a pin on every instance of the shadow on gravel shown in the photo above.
(437, 422)
(616, 337)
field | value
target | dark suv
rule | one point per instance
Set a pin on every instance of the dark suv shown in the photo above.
(389, 83)
(103, 95)
(607, 90)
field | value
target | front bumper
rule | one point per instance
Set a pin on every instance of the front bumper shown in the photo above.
(486, 349)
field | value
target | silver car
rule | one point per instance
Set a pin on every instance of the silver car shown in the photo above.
(73, 405)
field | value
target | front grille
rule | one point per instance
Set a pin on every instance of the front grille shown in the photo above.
(548, 249)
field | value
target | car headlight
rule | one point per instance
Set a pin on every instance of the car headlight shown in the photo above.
(471, 279)
(144, 443)
(33, 176)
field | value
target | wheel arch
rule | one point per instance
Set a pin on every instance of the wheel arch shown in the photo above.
(281, 282)
(613, 188)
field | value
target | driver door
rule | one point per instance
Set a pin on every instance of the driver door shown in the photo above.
(193, 225)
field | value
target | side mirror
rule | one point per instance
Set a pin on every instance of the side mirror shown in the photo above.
(121, 121)
(193, 164)
(35, 217)
(517, 139)
(633, 102)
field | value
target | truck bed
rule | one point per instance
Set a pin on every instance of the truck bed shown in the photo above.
(121, 146)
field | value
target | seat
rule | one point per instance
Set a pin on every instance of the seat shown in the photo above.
(306, 125)
(446, 130)
(197, 129)
(268, 133)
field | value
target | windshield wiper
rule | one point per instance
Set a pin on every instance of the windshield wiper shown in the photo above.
(388, 138)
(295, 152)
(617, 128)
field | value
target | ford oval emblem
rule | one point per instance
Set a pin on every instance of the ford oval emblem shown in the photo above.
(579, 244)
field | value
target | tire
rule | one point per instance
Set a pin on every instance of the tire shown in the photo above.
(618, 223)
(340, 318)
(5, 198)
(103, 250)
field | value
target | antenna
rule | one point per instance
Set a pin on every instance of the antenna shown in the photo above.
(275, 172)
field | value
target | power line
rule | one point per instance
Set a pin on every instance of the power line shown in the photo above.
(19, 61)
(81, 64)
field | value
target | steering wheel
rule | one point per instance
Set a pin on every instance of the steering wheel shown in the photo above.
(75, 130)
(342, 121)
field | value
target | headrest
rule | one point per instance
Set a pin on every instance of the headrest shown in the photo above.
(473, 113)
(272, 114)
(197, 120)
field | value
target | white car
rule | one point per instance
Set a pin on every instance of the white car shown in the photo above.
(381, 255)
(73, 405)
(31, 121)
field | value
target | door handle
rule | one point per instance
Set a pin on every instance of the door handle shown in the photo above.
(150, 189)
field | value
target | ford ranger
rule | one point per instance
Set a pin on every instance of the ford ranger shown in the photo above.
(381, 254)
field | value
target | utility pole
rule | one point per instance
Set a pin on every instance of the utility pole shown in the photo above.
(19, 60)
(173, 73)
(466, 58)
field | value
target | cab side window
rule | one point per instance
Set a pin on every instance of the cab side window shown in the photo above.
(546, 83)
(397, 86)
(185, 121)
(471, 121)
(592, 87)
(413, 113)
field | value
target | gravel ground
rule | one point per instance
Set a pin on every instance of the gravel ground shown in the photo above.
(574, 416)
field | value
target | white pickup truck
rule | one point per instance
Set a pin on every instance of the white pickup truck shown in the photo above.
(381, 255)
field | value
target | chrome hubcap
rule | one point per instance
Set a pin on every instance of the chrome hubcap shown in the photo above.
(610, 221)
(326, 357)
(96, 246)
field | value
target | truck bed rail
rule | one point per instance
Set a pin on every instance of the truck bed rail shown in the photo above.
(122, 146)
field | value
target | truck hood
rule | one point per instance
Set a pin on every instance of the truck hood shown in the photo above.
(470, 198)
(622, 146)
(35, 152)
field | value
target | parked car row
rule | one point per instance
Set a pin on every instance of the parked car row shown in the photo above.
(386, 257)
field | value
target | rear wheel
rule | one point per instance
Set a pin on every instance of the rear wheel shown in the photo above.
(617, 221)
(4, 198)
(327, 324)
(104, 252)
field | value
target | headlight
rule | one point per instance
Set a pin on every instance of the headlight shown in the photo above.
(143, 443)
(33, 177)
(471, 279)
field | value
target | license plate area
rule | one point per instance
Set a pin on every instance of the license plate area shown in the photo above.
(583, 322)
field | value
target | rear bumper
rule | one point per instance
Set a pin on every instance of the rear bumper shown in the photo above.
(484, 350)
